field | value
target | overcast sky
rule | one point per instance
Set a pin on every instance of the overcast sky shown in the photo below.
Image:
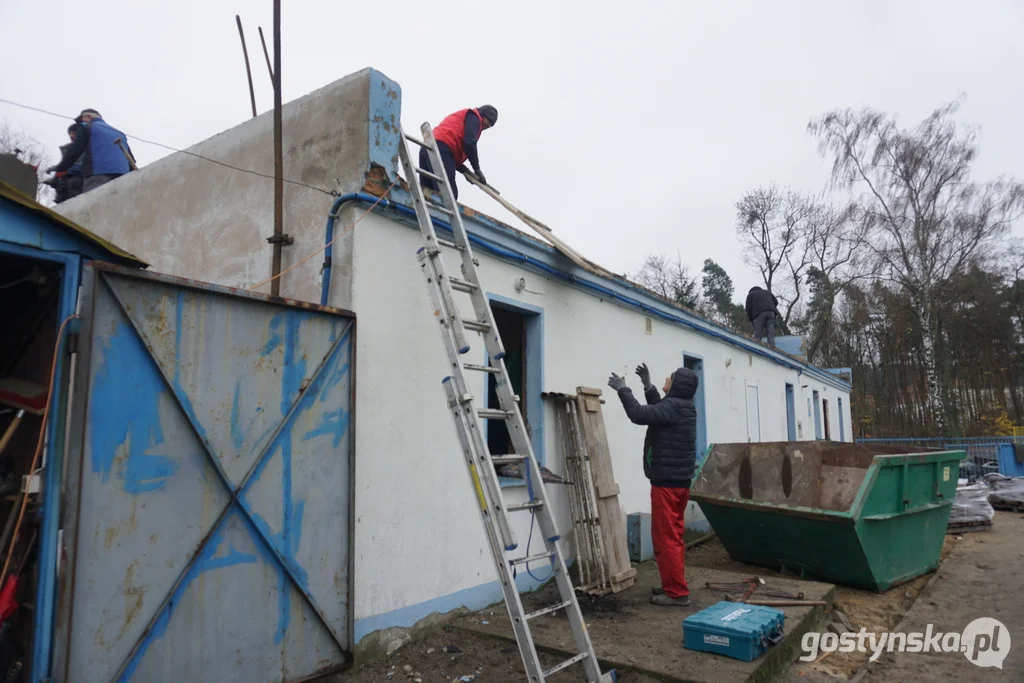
(630, 128)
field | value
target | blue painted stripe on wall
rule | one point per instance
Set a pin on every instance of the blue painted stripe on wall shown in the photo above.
(474, 598)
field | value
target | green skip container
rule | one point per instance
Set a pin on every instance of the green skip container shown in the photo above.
(863, 515)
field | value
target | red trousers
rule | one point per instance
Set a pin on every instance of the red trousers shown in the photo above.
(668, 508)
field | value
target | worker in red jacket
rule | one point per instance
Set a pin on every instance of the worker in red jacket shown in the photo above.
(456, 137)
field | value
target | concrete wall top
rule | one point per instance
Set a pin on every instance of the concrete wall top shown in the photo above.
(206, 212)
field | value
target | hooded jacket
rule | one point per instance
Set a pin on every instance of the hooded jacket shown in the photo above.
(670, 446)
(760, 301)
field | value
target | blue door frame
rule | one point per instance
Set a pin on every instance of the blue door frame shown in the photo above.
(696, 363)
(842, 424)
(42, 636)
(790, 412)
(817, 415)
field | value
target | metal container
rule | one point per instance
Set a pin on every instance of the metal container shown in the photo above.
(868, 516)
(208, 525)
(638, 537)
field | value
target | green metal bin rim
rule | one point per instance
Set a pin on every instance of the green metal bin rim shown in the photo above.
(846, 516)
(776, 509)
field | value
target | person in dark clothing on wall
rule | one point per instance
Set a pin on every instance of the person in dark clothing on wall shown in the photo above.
(457, 136)
(96, 148)
(670, 459)
(762, 307)
(68, 183)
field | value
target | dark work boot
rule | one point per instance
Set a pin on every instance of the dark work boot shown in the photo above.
(665, 601)
(657, 590)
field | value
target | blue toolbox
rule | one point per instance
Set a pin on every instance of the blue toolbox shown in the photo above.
(734, 629)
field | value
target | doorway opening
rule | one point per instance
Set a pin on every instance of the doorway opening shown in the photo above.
(842, 426)
(791, 413)
(817, 415)
(522, 336)
(828, 428)
(30, 299)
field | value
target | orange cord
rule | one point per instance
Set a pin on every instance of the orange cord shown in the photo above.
(365, 214)
(39, 448)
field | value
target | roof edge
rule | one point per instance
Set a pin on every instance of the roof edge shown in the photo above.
(494, 236)
(54, 218)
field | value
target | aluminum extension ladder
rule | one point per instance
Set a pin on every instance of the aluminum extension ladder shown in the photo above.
(466, 415)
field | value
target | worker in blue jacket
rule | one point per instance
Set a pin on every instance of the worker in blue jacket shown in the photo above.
(96, 144)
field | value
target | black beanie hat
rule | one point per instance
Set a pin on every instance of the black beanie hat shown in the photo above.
(489, 113)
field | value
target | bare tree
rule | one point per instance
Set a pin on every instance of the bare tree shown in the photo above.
(29, 150)
(835, 254)
(671, 279)
(772, 225)
(928, 220)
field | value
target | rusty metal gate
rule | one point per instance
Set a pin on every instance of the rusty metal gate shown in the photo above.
(207, 533)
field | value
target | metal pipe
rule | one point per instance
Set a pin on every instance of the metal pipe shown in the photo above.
(266, 55)
(325, 286)
(248, 71)
(278, 239)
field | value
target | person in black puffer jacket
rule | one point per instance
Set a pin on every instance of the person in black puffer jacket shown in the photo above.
(670, 458)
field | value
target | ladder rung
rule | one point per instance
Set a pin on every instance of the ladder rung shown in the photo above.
(507, 459)
(548, 610)
(481, 368)
(532, 558)
(476, 325)
(462, 285)
(450, 245)
(494, 414)
(566, 664)
(519, 507)
(442, 209)
(416, 141)
(432, 176)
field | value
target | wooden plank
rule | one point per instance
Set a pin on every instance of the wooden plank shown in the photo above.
(541, 229)
(609, 510)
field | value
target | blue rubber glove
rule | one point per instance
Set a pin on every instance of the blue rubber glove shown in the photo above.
(617, 383)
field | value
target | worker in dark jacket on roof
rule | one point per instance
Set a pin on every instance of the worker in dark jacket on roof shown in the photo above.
(762, 307)
(670, 458)
(68, 183)
(456, 137)
(96, 144)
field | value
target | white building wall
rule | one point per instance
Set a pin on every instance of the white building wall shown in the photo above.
(419, 542)
(419, 547)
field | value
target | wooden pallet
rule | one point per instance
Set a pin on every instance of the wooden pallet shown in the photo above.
(602, 553)
(965, 527)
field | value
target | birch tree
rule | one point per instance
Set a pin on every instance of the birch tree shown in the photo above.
(929, 222)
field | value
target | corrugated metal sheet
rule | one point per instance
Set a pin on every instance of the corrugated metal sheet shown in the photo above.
(53, 218)
(213, 529)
